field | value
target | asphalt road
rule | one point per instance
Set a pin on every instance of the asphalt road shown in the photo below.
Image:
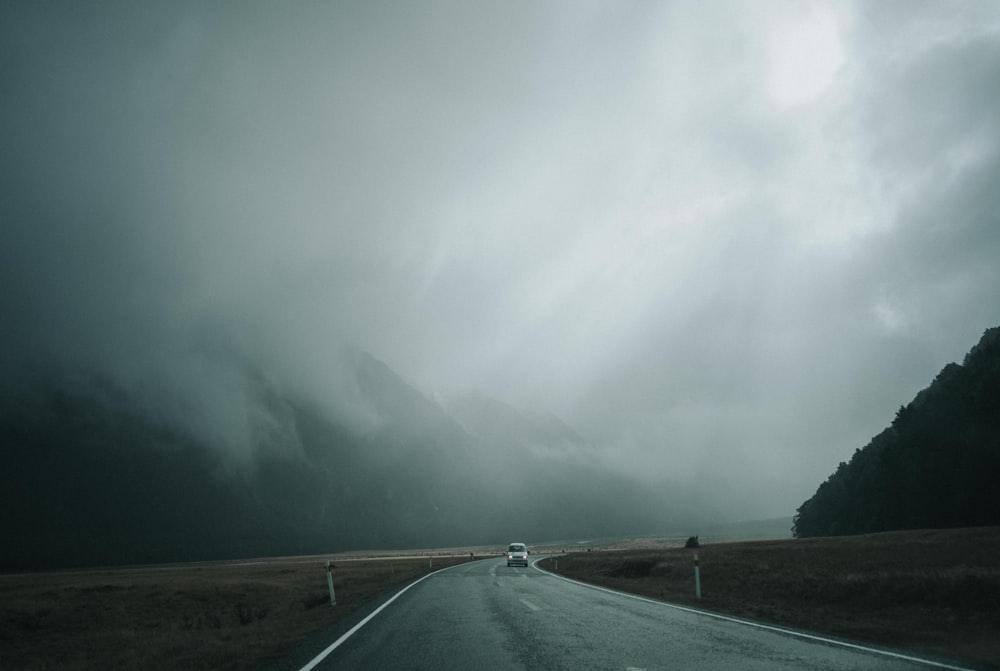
(483, 615)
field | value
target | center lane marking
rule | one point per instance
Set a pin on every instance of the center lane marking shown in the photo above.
(530, 605)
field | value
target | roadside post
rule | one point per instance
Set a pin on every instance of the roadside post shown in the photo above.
(329, 581)
(697, 578)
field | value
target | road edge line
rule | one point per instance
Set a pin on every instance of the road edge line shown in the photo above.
(758, 625)
(353, 630)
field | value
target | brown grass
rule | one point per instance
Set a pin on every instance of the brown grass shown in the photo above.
(198, 617)
(932, 591)
(935, 591)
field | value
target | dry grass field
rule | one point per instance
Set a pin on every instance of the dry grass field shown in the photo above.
(196, 617)
(935, 591)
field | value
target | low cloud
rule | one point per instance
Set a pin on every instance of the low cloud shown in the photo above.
(715, 265)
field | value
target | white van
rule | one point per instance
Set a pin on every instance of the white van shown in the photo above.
(517, 554)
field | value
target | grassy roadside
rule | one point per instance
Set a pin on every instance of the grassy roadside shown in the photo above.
(935, 591)
(196, 617)
(932, 591)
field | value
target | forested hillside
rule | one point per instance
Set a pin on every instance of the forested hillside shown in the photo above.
(936, 466)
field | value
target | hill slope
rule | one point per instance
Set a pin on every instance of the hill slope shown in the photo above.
(91, 478)
(934, 467)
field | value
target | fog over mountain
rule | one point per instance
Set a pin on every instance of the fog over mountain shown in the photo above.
(707, 248)
(94, 479)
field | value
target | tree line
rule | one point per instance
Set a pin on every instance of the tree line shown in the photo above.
(935, 466)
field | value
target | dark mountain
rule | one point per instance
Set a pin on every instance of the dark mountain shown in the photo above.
(935, 466)
(91, 477)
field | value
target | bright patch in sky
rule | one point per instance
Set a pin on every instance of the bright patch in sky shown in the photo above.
(804, 55)
(891, 317)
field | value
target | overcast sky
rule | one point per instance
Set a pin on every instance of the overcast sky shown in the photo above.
(724, 240)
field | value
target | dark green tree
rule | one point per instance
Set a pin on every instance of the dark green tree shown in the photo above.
(933, 467)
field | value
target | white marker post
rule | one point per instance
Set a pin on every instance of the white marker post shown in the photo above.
(697, 578)
(329, 581)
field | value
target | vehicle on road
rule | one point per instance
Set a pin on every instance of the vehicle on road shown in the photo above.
(517, 554)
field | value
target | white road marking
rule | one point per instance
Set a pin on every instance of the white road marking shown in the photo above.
(758, 625)
(530, 605)
(336, 644)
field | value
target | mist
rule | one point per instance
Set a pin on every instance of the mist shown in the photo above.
(722, 242)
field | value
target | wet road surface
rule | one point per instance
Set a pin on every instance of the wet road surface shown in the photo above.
(485, 615)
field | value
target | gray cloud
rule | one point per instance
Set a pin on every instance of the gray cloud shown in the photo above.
(721, 268)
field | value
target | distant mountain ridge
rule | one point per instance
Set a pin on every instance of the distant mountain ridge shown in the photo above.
(89, 478)
(496, 423)
(935, 466)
